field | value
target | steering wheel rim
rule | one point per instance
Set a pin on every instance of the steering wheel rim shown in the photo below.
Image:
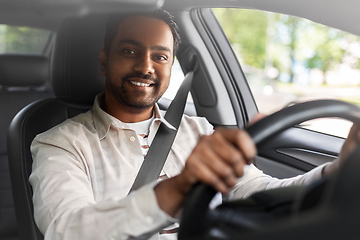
(194, 226)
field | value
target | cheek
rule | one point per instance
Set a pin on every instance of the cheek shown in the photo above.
(165, 85)
(117, 65)
(165, 74)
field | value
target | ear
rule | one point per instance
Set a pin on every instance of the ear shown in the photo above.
(103, 61)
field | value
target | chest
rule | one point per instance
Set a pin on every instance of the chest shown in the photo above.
(115, 162)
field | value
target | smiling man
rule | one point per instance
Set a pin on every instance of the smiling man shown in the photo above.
(137, 68)
(84, 168)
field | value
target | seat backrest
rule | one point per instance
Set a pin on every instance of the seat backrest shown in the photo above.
(76, 80)
(23, 79)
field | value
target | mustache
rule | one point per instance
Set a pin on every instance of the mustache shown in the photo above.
(141, 76)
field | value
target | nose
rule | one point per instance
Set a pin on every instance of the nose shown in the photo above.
(144, 65)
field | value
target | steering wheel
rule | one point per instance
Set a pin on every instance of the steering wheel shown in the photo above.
(197, 218)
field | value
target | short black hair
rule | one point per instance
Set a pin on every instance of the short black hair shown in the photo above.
(115, 20)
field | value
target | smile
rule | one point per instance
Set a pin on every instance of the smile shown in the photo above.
(140, 84)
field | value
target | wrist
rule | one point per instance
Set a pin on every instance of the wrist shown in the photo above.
(170, 196)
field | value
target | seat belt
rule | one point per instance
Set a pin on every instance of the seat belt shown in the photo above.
(164, 138)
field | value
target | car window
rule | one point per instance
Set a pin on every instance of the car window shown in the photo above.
(26, 40)
(177, 77)
(288, 60)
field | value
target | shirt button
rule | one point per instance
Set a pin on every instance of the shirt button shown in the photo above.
(132, 138)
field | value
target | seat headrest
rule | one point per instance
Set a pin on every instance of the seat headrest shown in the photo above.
(23, 70)
(76, 73)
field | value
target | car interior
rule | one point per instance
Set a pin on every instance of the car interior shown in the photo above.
(40, 91)
(18, 89)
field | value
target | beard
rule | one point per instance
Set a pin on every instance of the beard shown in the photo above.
(135, 100)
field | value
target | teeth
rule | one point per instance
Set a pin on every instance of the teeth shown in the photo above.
(140, 84)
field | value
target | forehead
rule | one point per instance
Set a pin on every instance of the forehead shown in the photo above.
(148, 31)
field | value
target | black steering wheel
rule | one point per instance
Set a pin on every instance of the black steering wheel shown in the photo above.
(197, 219)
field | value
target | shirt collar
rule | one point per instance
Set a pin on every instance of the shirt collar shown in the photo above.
(103, 121)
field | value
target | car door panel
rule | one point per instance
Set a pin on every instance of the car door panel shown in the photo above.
(275, 168)
(297, 148)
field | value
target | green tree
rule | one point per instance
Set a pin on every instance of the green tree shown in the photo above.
(324, 42)
(246, 31)
(23, 39)
(289, 41)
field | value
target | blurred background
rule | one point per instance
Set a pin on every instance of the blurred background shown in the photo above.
(289, 60)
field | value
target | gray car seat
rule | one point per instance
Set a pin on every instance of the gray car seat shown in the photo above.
(23, 79)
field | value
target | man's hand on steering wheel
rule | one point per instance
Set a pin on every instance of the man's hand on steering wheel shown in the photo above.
(217, 160)
(351, 142)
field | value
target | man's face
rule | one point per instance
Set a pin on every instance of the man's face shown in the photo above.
(138, 65)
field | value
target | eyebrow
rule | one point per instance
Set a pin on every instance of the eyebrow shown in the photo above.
(138, 44)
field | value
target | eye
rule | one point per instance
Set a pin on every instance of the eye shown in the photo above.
(129, 51)
(161, 58)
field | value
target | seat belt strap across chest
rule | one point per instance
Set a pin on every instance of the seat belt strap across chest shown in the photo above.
(164, 138)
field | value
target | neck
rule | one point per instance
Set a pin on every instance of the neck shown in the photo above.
(124, 113)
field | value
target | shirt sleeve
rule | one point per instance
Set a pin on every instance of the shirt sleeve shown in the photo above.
(65, 207)
(254, 180)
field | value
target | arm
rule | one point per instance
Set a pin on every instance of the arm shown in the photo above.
(65, 206)
(351, 142)
(255, 180)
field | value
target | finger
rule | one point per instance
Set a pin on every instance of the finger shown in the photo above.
(353, 138)
(230, 161)
(349, 145)
(256, 118)
(241, 140)
(200, 171)
(221, 168)
(354, 133)
(210, 168)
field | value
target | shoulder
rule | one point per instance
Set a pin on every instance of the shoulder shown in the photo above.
(194, 124)
(197, 124)
(69, 129)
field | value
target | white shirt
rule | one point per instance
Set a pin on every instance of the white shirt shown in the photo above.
(84, 168)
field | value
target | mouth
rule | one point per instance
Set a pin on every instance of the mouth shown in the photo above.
(140, 84)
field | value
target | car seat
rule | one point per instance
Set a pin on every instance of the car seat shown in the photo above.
(76, 80)
(23, 79)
